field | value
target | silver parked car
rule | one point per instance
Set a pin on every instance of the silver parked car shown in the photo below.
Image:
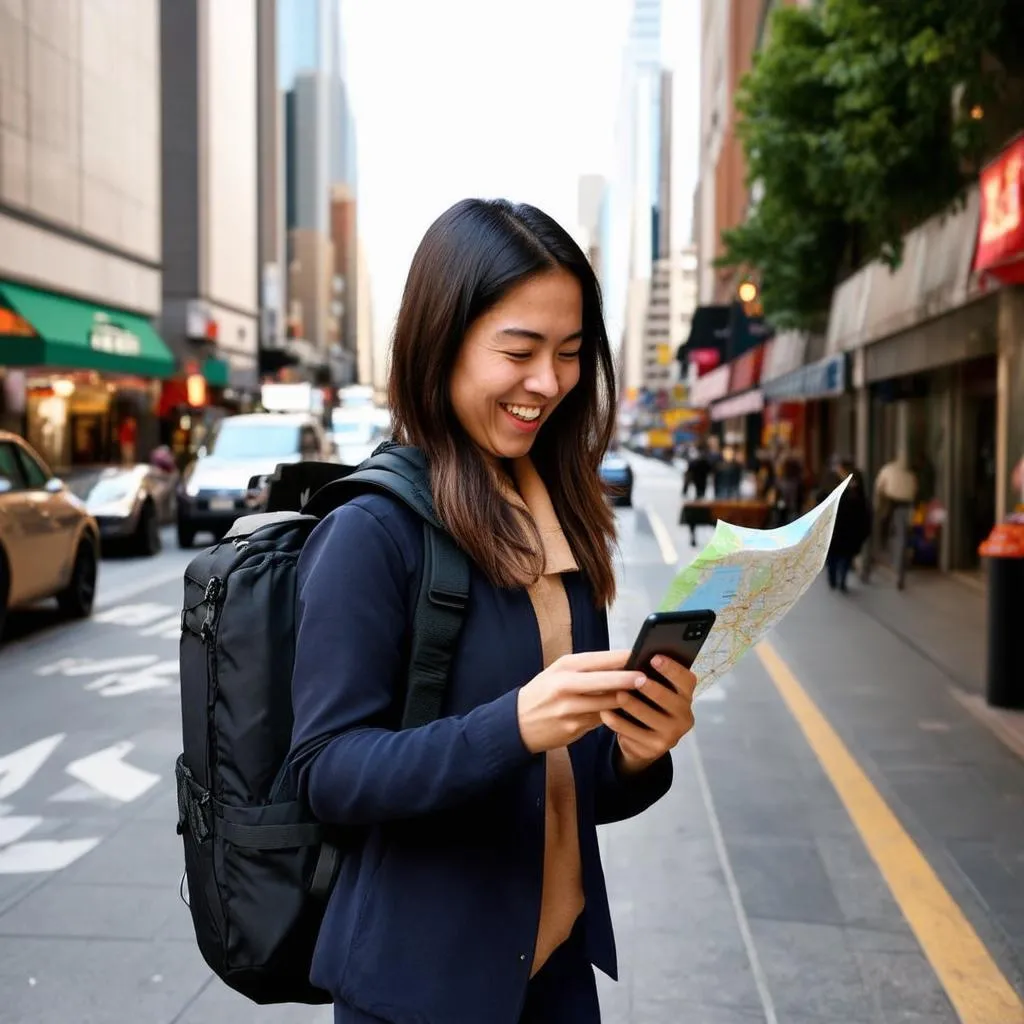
(130, 503)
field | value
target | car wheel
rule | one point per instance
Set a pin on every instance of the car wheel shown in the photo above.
(75, 601)
(147, 535)
(186, 536)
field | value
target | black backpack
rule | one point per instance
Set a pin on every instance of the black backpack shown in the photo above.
(259, 866)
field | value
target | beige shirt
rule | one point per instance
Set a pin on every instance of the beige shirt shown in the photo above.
(896, 482)
(562, 893)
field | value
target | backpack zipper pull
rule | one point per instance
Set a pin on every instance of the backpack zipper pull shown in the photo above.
(211, 597)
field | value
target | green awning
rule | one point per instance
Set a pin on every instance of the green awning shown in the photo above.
(73, 335)
(216, 372)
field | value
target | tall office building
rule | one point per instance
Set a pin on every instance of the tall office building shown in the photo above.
(638, 216)
(80, 238)
(320, 184)
(210, 183)
(271, 182)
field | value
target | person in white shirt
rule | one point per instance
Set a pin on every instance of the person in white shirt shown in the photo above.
(896, 489)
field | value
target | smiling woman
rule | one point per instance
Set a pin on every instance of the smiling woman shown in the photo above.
(517, 362)
(478, 893)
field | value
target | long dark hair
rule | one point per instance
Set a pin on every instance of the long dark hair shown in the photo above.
(470, 257)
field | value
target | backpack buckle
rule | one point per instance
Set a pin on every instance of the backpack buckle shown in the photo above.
(447, 598)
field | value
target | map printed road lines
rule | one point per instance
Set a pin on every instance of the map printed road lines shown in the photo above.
(751, 579)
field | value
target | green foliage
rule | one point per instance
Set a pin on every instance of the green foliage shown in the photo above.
(848, 125)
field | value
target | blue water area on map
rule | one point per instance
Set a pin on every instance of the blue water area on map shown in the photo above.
(715, 592)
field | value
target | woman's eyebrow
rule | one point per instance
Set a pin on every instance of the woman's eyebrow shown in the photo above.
(522, 332)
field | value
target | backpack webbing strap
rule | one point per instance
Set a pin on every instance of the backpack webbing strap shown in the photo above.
(440, 609)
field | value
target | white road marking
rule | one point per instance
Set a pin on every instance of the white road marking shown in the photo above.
(743, 922)
(19, 766)
(167, 629)
(128, 590)
(160, 676)
(663, 537)
(93, 666)
(76, 793)
(134, 614)
(118, 677)
(43, 856)
(108, 773)
(13, 829)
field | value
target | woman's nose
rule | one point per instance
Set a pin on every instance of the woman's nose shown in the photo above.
(543, 380)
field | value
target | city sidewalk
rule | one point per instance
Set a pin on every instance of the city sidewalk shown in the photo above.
(760, 890)
(943, 618)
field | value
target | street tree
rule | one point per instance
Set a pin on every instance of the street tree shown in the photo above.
(860, 119)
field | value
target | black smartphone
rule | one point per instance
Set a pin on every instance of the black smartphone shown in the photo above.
(677, 635)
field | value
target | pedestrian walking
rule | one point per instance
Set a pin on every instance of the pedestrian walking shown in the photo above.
(896, 489)
(853, 521)
(698, 471)
(476, 891)
(127, 435)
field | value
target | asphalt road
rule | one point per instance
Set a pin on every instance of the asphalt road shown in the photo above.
(747, 895)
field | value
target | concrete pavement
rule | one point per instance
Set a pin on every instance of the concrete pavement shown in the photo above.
(747, 894)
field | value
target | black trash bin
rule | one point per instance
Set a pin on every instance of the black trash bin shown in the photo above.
(1004, 549)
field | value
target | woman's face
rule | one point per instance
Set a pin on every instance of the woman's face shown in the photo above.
(517, 362)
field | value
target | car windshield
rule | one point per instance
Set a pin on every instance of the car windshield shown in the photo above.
(249, 440)
(353, 430)
(113, 488)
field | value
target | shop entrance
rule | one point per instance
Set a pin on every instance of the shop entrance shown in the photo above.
(975, 490)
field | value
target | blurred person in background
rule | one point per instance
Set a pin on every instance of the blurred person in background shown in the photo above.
(728, 475)
(789, 485)
(853, 520)
(127, 436)
(896, 490)
(478, 893)
(698, 472)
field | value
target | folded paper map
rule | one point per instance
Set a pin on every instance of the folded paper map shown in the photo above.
(751, 579)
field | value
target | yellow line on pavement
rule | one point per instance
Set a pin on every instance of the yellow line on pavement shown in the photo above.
(976, 987)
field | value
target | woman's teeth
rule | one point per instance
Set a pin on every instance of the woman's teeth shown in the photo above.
(523, 412)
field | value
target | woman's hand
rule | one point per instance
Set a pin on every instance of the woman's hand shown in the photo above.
(667, 724)
(572, 696)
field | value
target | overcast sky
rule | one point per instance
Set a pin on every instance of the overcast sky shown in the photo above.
(514, 98)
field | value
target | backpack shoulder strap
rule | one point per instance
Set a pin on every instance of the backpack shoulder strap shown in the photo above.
(402, 472)
(437, 621)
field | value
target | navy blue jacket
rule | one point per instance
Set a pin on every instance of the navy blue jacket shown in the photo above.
(434, 916)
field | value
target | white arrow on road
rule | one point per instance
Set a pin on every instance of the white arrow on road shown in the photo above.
(13, 829)
(19, 766)
(43, 856)
(108, 773)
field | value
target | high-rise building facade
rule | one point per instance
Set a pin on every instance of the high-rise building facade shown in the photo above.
(210, 200)
(639, 214)
(320, 184)
(80, 232)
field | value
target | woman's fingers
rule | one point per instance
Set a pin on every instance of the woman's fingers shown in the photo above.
(678, 675)
(594, 661)
(601, 682)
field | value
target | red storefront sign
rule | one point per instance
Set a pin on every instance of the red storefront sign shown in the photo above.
(705, 359)
(1000, 250)
(746, 370)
